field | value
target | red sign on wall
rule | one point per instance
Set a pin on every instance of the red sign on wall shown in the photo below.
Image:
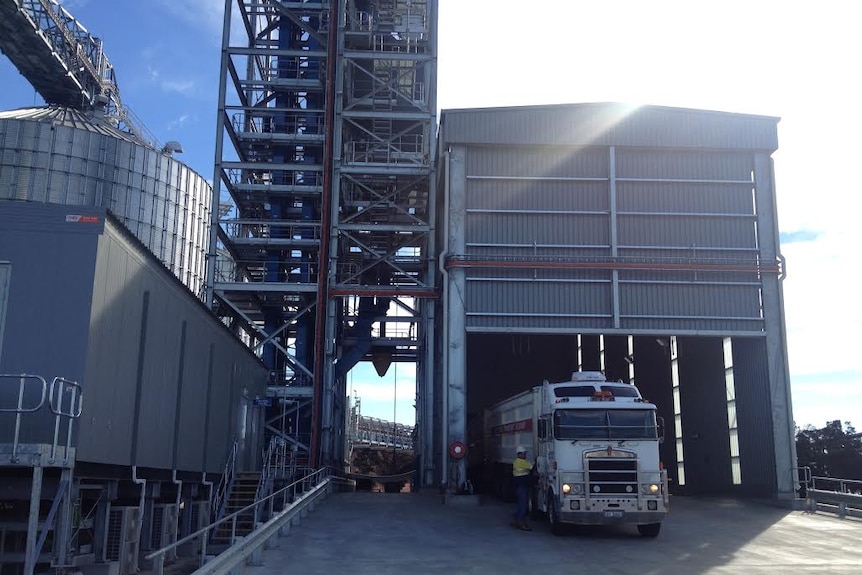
(79, 219)
(513, 427)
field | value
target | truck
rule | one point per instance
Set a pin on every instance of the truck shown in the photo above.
(595, 445)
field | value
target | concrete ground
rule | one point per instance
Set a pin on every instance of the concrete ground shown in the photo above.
(414, 533)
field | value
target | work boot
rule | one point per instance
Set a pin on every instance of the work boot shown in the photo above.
(524, 526)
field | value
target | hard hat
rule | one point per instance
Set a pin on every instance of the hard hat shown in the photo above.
(522, 449)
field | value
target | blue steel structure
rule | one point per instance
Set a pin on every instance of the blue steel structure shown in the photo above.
(323, 255)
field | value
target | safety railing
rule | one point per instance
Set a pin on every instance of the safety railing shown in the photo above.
(62, 388)
(278, 509)
(264, 229)
(220, 493)
(840, 496)
(21, 407)
(63, 397)
(266, 473)
(831, 494)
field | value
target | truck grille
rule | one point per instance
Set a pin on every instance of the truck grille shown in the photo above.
(612, 476)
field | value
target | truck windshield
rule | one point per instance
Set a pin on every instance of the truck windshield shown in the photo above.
(605, 424)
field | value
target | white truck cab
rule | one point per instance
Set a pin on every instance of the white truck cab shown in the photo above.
(596, 447)
(598, 455)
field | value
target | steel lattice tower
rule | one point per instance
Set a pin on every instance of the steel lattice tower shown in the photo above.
(323, 252)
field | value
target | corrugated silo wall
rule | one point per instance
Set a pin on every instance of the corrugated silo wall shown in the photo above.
(165, 384)
(569, 233)
(62, 156)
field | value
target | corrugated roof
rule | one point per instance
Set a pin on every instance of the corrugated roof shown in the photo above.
(60, 116)
(609, 124)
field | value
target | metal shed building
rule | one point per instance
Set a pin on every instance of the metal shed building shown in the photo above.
(156, 392)
(641, 241)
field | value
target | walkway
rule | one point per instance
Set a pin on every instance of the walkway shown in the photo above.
(380, 534)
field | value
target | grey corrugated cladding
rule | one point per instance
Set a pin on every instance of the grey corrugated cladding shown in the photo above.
(609, 186)
(77, 310)
(5, 274)
(609, 124)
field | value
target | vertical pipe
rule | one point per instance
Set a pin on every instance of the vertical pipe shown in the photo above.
(322, 384)
(209, 486)
(140, 523)
(74, 411)
(444, 386)
(33, 521)
(18, 419)
(612, 202)
(179, 484)
(219, 149)
(63, 525)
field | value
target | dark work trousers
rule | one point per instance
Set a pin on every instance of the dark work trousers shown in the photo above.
(522, 492)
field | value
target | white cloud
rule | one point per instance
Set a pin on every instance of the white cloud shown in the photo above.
(178, 122)
(180, 86)
(184, 86)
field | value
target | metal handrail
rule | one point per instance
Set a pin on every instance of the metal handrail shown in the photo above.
(60, 387)
(22, 379)
(266, 472)
(288, 496)
(226, 478)
(838, 485)
(836, 493)
(20, 409)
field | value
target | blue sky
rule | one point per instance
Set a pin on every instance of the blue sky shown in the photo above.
(797, 61)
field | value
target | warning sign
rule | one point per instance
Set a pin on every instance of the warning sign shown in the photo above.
(81, 219)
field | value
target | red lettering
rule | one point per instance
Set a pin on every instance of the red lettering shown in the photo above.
(513, 427)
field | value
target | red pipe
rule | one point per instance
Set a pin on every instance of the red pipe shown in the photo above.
(383, 291)
(755, 268)
(323, 254)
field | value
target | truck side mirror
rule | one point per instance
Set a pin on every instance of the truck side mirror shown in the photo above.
(543, 428)
(660, 428)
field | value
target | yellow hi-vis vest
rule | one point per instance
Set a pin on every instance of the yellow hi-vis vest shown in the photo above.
(521, 467)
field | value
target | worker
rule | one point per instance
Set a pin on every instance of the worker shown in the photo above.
(521, 477)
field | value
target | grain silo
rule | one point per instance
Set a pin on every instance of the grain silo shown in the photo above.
(60, 155)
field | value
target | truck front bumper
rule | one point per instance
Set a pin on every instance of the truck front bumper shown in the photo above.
(605, 518)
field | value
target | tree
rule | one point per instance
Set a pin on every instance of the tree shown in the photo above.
(833, 451)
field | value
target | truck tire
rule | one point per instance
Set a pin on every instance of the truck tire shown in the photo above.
(649, 529)
(554, 515)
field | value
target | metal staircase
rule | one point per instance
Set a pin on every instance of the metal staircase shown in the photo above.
(242, 493)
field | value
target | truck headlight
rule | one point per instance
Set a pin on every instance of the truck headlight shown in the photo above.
(572, 488)
(650, 488)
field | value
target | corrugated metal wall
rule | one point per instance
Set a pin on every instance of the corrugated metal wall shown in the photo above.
(682, 221)
(5, 277)
(48, 311)
(608, 124)
(163, 380)
(601, 222)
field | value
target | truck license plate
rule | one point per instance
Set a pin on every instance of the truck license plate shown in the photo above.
(617, 514)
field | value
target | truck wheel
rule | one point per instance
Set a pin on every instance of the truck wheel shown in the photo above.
(553, 515)
(649, 529)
